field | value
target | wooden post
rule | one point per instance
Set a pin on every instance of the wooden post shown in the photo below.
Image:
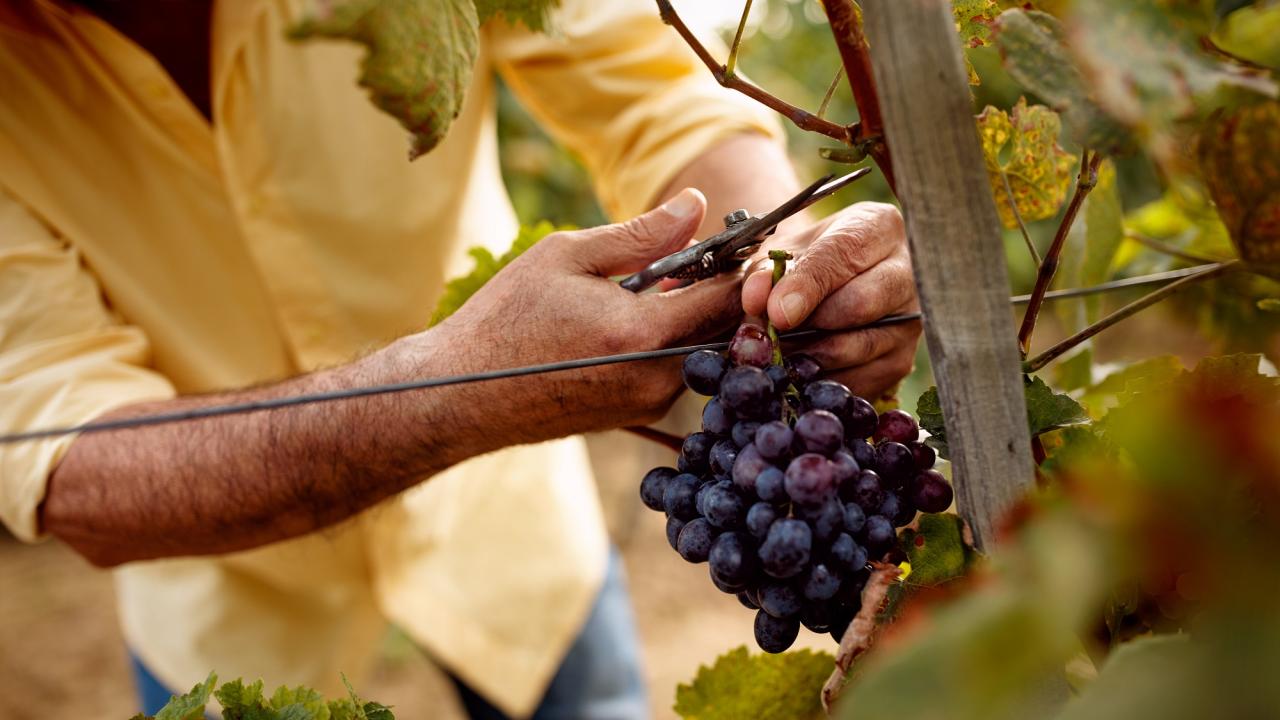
(956, 250)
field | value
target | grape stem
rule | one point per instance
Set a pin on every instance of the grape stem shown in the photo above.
(779, 258)
(861, 632)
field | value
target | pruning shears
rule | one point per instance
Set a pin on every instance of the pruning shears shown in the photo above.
(740, 238)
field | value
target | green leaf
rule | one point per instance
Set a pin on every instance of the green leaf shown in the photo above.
(973, 22)
(1103, 234)
(937, 550)
(929, 415)
(1151, 73)
(244, 702)
(533, 13)
(1251, 34)
(1154, 677)
(191, 705)
(1240, 161)
(299, 703)
(419, 61)
(1022, 148)
(1048, 410)
(1075, 371)
(1109, 392)
(762, 686)
(459, 290)
(1033, 48)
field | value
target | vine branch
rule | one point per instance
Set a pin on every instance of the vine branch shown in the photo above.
(1089, 162)
(802, 119)
(737, 41)
(1146, 301)
(846, 27)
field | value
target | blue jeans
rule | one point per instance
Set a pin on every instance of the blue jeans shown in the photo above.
(599, 678)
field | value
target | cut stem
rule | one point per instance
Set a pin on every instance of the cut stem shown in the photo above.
(831, 90)
(1132, 308)
(1088, 178)
(779, 258)
(737, 42)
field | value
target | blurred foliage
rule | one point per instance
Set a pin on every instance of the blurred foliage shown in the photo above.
(767, 687)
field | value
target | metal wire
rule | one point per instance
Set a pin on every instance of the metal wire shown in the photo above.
(367, 391)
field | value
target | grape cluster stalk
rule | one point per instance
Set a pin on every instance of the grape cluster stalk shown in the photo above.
(791, 487)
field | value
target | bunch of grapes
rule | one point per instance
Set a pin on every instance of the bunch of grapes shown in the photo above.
(792, 486)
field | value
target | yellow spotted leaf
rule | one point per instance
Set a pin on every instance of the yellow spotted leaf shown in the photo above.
(1022, 147)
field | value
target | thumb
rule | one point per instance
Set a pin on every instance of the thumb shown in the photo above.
(626, 247)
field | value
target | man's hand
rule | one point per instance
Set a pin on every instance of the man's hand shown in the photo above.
(556, 302)
(852, 267)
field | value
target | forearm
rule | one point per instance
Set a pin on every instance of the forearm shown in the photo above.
(234, 482)
(744, 171)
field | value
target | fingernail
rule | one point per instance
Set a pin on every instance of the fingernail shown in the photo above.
(682, 205)
(792, 308)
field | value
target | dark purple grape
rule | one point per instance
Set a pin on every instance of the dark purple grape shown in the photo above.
(802, 368)
(820, 432)
(700, 497)
(854, 518)
(724, 507)
(651, 487)
(868, 491)
(696, 452)
(816, 616)
(930, 492)
(733, 557)
(898, 509)
(778, 375)
(773, 440)
(716, 418)
(924, 455)
(895, 463)
(780, 601)
(751, 346)
(828, 395)
(786, 548)
(747, 467)
(746, 391)
(694, 543)
(826, 520)
(878, 533)
(775, 635)
(677, 497)
(723, 455)
(759, 517)
(810, 480)
(897, 426)
(864, 452)
(674, 526)
(771, 486)
(822, 583)
(744, 432)
(840, 617)
(860, 420)
(744, 597)
(702, 371)
(724, 586)
(846, 555)
(844, 466)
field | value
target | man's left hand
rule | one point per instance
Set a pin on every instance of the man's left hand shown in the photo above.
(851, 268)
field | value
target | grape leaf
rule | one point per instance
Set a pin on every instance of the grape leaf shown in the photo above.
(1148, 677)
(459, 290)
(244, 702)
(1022, 148)
(1240, 160)
(1110, 391)
(1048, 410)
(299, 703)
(1033, 50)
(533, 13)
(1075, 370)
(1103, 234)
(763, 686)
(419, 61)
(1250, 34)
(937, 549)
(1149, 69)
(189, 706)
(973, 22)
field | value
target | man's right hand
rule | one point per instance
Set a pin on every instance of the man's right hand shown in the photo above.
(556, 302)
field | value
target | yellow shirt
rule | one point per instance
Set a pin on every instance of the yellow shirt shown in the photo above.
(146, 252)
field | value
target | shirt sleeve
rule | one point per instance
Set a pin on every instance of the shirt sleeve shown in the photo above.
(65, 358)
(625, 93)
